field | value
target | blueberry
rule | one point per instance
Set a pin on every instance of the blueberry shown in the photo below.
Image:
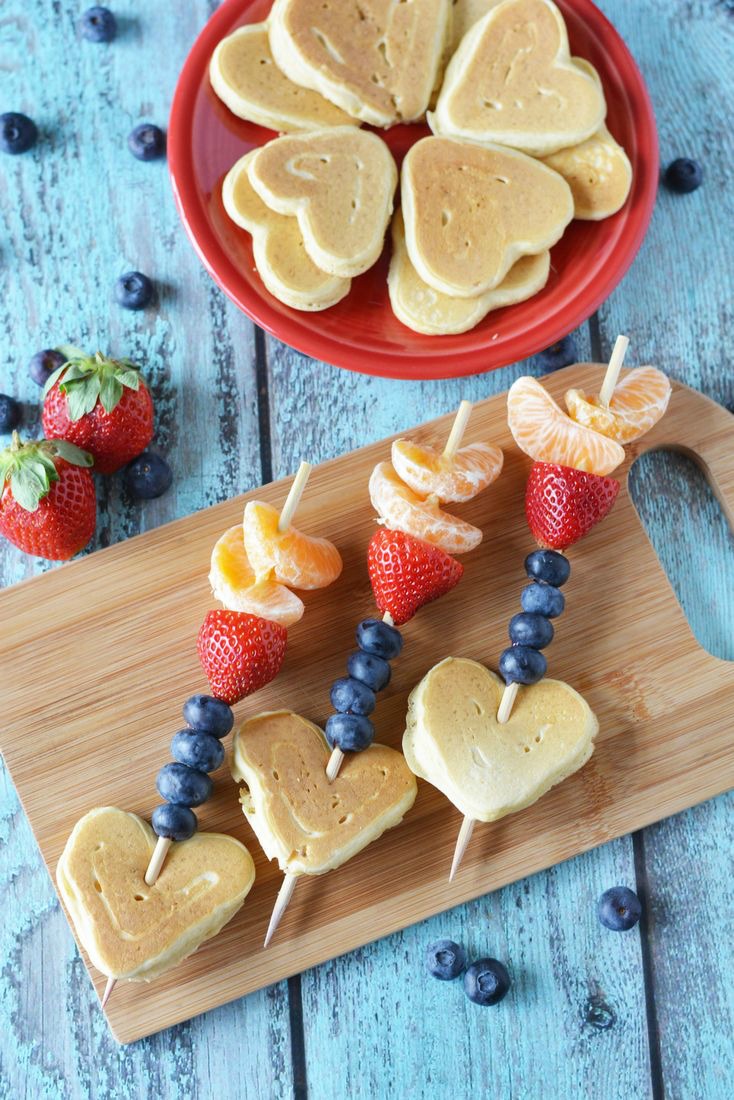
(543, 599)
(204, 712)
(146, 141)
(175, 822)
(529, 628)
(98, 24)
(486, 982)
(548, 566)
(18, 133)
(182, 785)
(619, 909)
(44, 363)
(352, 695)
(349, 732)
(133, 290)
(197, 749)
(558, 355)
(379, 638)
(445, 960)
(372, 671)
(148, 476)
(684, 175)
(11, 413)
(522, 665)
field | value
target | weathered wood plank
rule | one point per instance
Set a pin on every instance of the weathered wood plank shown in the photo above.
(74, 214)
(676, 304)
(579, 992)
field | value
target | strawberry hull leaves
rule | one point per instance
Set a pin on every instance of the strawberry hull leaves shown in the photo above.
(30, 468)
(102, 405)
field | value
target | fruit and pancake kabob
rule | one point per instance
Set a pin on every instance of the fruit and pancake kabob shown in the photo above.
(241, 648)
(411, 562)
(495, 744)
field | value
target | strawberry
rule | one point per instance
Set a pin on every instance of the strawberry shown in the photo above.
(563, 504)
(407, 572)
(100, 404)
(239, 653)
(47, 501)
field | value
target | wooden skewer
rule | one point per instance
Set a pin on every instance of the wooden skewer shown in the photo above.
(281, 904)
(507, 702)
(462, 843)
(457, 429)
(615, 366)
(157, 860)
(111, 983)
(294, 496)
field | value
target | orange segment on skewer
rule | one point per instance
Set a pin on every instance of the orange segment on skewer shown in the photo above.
(234, 583)
(294, 558)
(403, 510)
(452, 480)
(637, 403)
(546, 433)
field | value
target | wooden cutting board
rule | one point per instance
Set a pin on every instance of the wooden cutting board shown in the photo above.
(97, 657)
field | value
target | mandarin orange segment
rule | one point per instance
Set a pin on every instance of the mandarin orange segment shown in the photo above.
(401, 509)
(294, 558)
(427, 471)
(235, 585)
(545, 432)
(639, 400)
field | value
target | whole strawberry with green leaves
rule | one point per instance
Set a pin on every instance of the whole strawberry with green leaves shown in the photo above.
(48, 505)
(102, 405)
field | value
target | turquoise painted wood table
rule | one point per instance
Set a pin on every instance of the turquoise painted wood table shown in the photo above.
(591, 1014)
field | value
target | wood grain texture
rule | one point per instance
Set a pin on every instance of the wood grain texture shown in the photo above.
(58, 258)
(650, 758)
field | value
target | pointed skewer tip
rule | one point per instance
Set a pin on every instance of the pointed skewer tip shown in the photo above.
(281, 904)
(111, 983)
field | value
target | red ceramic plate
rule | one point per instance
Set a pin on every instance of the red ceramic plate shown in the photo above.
(361, 332)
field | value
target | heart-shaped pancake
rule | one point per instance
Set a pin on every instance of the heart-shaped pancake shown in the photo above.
(599, 174)
(280, 256)
(308, 824)
(339, 183)
(376, 59)
(245, 77)
(134, 931)
(512, 81)
(473, 211)
(488, 770)
(424, 309)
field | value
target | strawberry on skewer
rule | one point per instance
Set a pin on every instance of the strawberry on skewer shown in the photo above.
(568, 492)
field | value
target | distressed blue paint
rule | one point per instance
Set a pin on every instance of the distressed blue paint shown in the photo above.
(73, 215)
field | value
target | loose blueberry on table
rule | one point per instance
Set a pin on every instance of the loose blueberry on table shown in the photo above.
(148, 476)
(146, 141)
(11, 413)
(619, 909)
(445, 960)
(684, 175)
(43, 364)
(558, 355)
(133, 290)
(486, 982)
(98, 24)
(18, 133)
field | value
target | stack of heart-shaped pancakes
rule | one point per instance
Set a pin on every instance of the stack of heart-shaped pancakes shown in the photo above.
(520, 148)
(133, 931)
(311, 825)
(318, 205)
